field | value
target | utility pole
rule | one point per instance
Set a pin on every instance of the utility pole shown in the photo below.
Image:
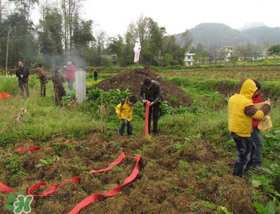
(7, 53)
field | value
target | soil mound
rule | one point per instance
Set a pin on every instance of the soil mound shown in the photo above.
(131, 81)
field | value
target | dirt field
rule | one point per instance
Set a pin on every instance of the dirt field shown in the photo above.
(173, 179)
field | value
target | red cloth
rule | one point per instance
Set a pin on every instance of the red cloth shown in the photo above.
(70, 72)
(4, 95)
(257, 99)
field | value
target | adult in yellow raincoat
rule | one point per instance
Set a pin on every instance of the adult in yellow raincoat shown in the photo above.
(240, 113)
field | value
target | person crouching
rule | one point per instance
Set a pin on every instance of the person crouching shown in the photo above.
(124, 112)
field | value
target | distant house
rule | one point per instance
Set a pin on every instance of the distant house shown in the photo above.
(189, 58)
(225, 53)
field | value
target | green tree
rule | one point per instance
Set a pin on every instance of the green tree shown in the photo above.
(82, 35)
(274, 50)
(23, 45)
(167, 59)
(234, 59)
(50, 35)
(24, 6)
(171, 47)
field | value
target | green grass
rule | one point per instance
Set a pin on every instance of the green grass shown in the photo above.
(43, 119)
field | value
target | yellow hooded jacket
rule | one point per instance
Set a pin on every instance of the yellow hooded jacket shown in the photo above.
(124, 111)
(241, 109)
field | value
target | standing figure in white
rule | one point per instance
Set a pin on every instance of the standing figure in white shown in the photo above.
(137, 50)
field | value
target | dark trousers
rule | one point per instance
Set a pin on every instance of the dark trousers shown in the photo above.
(245, 150)
(70, 84)
(127, 124)
(257, 157)
(154, 111)
(43, 87)
(23, 86)
(59, 92)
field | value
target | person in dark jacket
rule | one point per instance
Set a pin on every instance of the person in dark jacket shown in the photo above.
(59, 91)
(23, 76)
(43, 79)
(95, 74)
(151, 92)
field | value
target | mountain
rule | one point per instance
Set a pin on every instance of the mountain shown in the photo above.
(216, 35)
(252, 25)
(262, 35)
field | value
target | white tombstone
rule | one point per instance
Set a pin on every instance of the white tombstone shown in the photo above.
(80, 83)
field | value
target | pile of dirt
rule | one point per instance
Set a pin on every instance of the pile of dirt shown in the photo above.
(131, 81)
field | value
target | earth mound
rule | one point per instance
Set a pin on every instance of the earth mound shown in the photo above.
(131, 81)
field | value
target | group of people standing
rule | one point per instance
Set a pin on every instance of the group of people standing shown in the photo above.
(57, 78)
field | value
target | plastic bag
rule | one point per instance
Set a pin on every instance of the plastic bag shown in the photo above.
(266, 124)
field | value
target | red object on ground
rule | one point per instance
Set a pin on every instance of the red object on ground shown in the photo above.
(52, 189)
(89, 200)
(32, 149)
(5, 189)
(4, 95)
(116, 162)
(147, 120)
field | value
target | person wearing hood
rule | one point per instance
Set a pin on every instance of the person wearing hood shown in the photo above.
(240, 113)
(59, 91)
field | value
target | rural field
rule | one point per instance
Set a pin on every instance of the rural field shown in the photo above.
(186, 169)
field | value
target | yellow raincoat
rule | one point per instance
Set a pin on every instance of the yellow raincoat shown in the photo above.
(241, 109)
(124, 111)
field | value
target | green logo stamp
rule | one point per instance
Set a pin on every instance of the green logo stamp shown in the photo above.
(19, 203)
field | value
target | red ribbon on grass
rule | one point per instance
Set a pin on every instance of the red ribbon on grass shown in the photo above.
(52, 189)
(147, 120)
(89, 200)
(116, 162)
(5, 189)
(32, 149)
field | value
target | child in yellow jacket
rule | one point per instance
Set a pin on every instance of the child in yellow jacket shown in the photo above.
(240, 113)
(124, 112)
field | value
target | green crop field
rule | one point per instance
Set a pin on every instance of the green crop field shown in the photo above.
(186, 169)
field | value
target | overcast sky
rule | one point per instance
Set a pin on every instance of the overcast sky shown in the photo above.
(113, 16)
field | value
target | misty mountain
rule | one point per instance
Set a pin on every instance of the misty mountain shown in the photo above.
(252, 25)
(214, 35)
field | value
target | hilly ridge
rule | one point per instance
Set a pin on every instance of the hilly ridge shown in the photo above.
(216, 35)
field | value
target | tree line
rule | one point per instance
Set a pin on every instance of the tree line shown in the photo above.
(63, 34)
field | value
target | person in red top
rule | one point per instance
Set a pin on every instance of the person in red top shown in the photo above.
(70, 74)
(257, 163)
